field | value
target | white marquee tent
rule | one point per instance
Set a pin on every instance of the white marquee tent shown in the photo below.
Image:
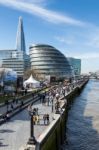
(32, 82)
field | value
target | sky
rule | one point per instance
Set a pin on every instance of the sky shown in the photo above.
(72, 26)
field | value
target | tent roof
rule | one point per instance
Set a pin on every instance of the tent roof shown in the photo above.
(31, 80)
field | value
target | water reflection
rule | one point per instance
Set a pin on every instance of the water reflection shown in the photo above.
(83, 120)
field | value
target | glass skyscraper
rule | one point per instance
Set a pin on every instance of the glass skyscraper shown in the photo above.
(16, 59)
(20, 39)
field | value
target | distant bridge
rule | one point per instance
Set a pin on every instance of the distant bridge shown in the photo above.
(94, 77)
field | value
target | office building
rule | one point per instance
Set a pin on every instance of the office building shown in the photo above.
(47, 60)
(16, 59)
(76, 65)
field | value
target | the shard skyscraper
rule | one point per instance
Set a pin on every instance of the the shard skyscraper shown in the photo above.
(20, 39)
(17, 59)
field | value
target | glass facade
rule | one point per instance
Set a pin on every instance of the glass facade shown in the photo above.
(20, 39)
(47, 60)
(76, 65)
(16, 59)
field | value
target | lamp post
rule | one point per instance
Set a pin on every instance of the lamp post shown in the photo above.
(32, 140)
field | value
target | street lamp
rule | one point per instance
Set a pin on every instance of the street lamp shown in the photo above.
(32, 140)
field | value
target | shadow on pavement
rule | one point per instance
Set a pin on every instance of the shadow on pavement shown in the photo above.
(6, 131)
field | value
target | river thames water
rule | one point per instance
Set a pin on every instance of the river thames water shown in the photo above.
(83, 120)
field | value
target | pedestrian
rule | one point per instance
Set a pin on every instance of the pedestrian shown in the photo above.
(47, 100)
(47, 118)
(7, 116)
(29, 107)
(36, 111)
(22, 103)
(44, 118)
(40, 97)
(16, 100)
(37, 119)
(57, 96)
(12, 107)
(64, 91)
(43, 98)
(50, 98)
(25, 91)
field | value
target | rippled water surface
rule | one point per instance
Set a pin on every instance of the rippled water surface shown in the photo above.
(83, 120)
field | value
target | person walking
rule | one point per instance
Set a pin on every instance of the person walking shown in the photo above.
(7, 116)
(25, 91)
(47, 118)
(16, 100)
(22, 103)
(37, 119)
(44, 118)
(30, 107)
(43, 98)
(37, 111)
(12, 107)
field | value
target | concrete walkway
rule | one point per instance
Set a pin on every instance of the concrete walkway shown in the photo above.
(15, 132)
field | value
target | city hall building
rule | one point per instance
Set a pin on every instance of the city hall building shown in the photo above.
(47, 60)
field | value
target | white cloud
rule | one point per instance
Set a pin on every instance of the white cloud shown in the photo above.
(48, 15)
(38, 2)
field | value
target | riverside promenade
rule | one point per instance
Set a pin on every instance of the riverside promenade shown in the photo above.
(15, 132)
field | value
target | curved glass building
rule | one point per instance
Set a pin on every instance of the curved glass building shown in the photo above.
(47, 60)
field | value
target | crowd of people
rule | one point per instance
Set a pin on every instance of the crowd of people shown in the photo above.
(37, 118)
(49, 98)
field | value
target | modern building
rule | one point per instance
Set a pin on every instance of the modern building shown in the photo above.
(16, 59)
(46, 60)
(20, 39)
(6, 54)
(76, 65)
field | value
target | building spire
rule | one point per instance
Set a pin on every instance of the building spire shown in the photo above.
(20, 39)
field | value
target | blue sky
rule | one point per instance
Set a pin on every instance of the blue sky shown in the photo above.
(72, 26)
